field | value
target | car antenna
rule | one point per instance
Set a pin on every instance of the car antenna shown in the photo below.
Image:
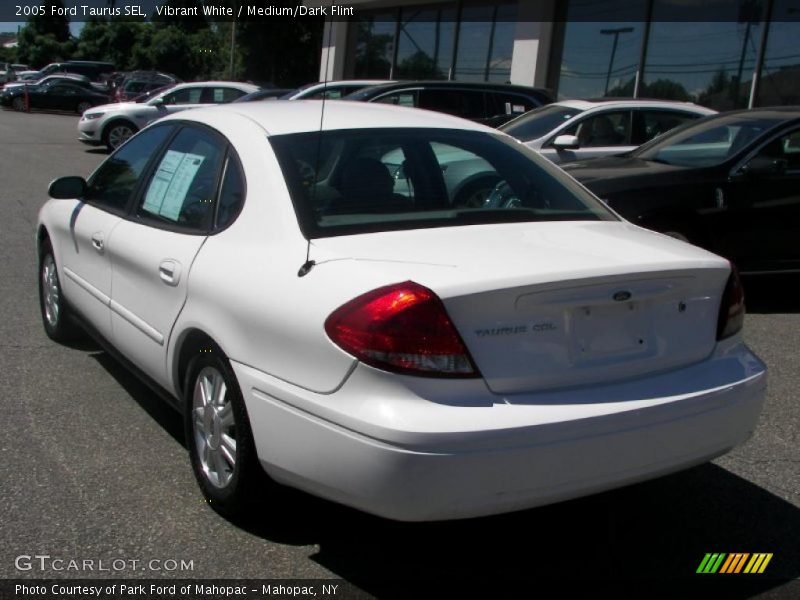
(306, 267)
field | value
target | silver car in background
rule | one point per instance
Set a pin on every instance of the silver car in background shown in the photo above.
(112, 124)
(576, 129)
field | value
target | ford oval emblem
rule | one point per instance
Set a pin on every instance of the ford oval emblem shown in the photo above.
(621, 296)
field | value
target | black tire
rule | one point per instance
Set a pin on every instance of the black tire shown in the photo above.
(82, 107)
(18, 104)
(117, 133)
(56, 313)
(232, 489)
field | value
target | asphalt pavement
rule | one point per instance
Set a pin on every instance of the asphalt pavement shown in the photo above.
(94, 466)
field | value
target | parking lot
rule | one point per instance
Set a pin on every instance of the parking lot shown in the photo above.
(95, 465)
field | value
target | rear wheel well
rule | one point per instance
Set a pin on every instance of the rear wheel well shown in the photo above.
(194, 342)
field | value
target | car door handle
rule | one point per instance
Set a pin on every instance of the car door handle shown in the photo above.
(170, 272)
(97, 241)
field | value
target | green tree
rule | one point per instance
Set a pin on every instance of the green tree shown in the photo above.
(169, 50)
(45, 38)
(112, 41)
(209, 54)
(419, 66)
(666, 89)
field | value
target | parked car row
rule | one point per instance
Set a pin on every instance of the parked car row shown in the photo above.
(730, 192)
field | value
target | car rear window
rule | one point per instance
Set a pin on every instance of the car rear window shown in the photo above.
(355, 181)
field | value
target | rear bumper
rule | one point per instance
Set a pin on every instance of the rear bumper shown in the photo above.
(421, 459)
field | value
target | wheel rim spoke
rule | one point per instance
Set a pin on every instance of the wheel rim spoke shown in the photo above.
(225, 415)
(220, 468)
(228, 449)
(200, 426)
(214, 426)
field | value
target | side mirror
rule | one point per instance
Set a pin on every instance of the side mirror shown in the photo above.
(158, 103)
(761, 166)
(566, 142)
(67, 188)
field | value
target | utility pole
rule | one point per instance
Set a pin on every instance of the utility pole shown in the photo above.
(615, 32)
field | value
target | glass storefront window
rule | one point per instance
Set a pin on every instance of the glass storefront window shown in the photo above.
(485, 42)
(710, 63)
(600, 52)
(374, 46)
(780, 75)
(427, 37)
(425, 44)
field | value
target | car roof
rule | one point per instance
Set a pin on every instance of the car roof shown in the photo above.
(467, 85)
(244, 86)
(311, 88)
(630, 102)
(303, 116)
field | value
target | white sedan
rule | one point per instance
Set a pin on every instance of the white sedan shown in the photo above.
(396, 352)
(111, 125)
(573, 130)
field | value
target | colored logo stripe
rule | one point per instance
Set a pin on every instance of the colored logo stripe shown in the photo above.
(734, 563)
(720, 562)
(710, 563)
(758, 563)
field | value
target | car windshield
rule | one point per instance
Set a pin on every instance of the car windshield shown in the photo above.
(707, 143)
(356, 181)
(539, 121)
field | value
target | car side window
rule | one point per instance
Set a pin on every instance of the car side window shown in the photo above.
(657, 122)
(503, 103)
(184, 96)
(220, 95)
(111, 186)
(785, 148)
(611, 128)
(231, 195)
(399, 99)
(182, 189)
(468, 104)
(332, 94)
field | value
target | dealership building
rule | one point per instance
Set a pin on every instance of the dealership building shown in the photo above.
(723, 54)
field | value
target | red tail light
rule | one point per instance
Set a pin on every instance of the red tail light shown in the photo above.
(731, 311)
(402, 328)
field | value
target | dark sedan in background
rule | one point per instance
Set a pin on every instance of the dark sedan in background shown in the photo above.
(729, 183)
(489, 103)
(54, 95)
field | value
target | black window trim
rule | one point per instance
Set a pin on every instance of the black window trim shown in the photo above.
(231, 156)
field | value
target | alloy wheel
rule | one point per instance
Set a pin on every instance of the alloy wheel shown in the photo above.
(50, 290)
(214, 427)
(118, 135)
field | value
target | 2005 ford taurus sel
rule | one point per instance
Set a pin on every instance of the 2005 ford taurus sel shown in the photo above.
(300, 280)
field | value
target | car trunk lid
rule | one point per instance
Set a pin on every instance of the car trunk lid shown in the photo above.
(553, 305)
